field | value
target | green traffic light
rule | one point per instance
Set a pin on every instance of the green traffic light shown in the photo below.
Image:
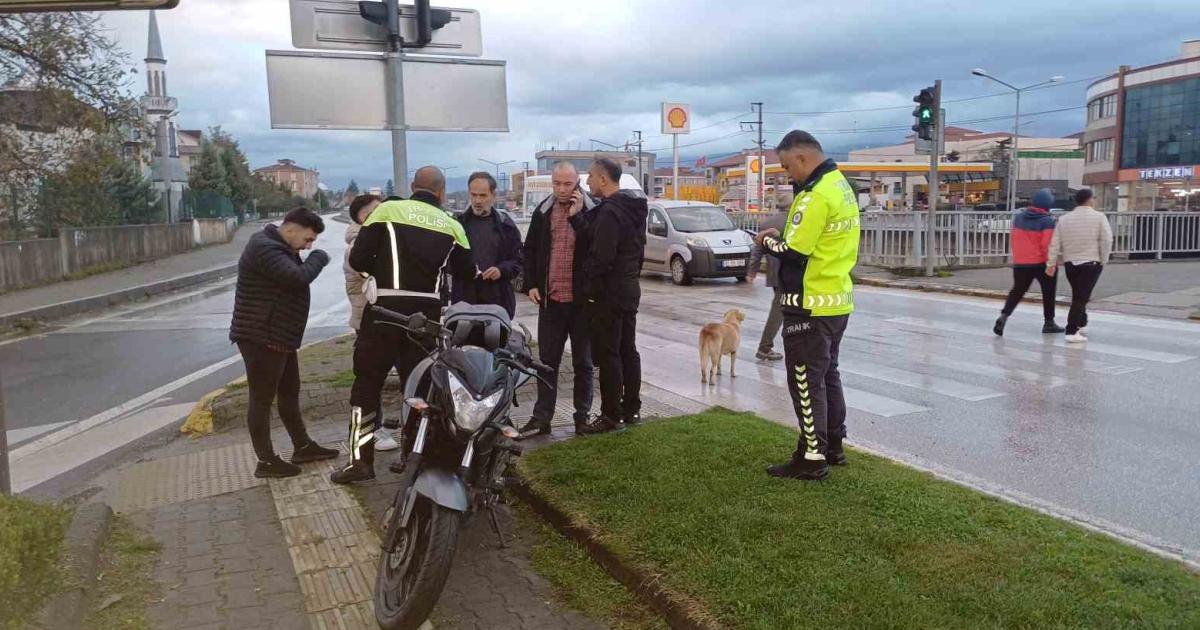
(926, 114)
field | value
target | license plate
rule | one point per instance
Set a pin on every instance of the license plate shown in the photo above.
(733, 263)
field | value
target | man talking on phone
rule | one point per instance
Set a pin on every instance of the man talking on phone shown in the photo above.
(552, 274)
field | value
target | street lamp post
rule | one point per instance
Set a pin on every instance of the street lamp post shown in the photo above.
(1014, 168)
(497, 165)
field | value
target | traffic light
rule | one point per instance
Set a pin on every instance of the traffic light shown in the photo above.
(926, 119)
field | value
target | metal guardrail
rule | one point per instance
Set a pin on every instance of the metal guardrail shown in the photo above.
(981, 239)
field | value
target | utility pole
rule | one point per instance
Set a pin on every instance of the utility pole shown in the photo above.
(757, 125)
(641, 183)
(934, 181)
(5, 481)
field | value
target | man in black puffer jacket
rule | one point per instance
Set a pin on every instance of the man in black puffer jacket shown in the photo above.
(270, 311)
(613, 236)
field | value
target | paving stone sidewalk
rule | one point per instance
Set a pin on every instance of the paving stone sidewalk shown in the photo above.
(242, 553)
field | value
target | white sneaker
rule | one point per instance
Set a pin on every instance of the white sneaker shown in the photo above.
(1083, 331)
(384, 441)
(1076, 338)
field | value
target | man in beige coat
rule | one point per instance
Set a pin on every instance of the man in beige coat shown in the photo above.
(361, 208)
(1083, 241)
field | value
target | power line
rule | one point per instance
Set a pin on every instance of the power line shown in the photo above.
(857, 130)
(956, 100)
(696, 144)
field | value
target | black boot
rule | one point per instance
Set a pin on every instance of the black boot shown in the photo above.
(534, 428)
(275, 468)
(362, 450)
(800, 468)
(999, 327)
(1051, 328)
(361, 468)
(835, 455)
(632, 419)
(313, 452)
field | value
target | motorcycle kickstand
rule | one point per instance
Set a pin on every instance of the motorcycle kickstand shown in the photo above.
(495, 523)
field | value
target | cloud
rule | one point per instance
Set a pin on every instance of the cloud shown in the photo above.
(579, 70)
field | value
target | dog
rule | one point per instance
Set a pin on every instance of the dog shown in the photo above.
(718, 340)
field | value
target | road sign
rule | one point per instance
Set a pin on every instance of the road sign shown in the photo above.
(21, 6)
(440, 94)
(337, 25)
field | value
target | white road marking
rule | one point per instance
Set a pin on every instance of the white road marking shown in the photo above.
(116, 412)
(83, 447)
(20, 435)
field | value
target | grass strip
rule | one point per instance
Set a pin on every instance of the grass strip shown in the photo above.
(125, 585)
(579, 584)
(31, 536)
(878, 544)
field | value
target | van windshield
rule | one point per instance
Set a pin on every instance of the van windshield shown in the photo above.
(700, 219)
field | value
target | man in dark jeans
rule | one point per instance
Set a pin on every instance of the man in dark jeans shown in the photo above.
(766, 345)
(270, 312)
(1032, 230)
(552, 274)
(614, 237)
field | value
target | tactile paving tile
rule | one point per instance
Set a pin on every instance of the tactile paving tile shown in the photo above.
(184, 478)
(334, 551)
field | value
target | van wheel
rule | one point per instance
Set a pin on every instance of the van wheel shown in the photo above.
(741, 279)
(679, 272)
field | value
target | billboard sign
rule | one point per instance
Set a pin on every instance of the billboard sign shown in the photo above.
(440, 94)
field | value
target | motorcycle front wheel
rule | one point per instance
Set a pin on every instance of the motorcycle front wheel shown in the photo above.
(411, 578)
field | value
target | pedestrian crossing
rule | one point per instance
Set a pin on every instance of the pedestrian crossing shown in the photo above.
(901, 365)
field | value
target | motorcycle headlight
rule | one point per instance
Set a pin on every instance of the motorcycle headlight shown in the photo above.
(697, 242)
(469, 412)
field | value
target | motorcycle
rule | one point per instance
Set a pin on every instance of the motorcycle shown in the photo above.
(459, 438)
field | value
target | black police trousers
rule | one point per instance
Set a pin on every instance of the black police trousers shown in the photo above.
(810, 350)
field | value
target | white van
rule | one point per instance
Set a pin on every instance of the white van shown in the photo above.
(538, 187)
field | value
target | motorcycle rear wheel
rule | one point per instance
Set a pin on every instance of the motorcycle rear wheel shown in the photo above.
(411, 579)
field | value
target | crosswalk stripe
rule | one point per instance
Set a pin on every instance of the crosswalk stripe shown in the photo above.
(870, 351)
(1101, 348)
(908, 378)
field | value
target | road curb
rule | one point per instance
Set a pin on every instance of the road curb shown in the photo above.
(679, 611)
(85, 536)
(951, 289)
(199, 422)
(83, 305)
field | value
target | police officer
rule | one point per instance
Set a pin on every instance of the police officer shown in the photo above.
(817, 250)
(404, 247)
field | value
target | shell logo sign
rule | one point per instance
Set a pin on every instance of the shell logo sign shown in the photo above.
(676, 118)
(755, 166)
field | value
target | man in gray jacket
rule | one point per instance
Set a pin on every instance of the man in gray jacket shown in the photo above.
(1083, 240)
(766, 345)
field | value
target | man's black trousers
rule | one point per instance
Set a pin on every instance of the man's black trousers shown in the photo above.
(1022, 278)
(272, 377)
(614, 347)
(810, 349)
(377, 349)
(558, 322)
(1083, 279)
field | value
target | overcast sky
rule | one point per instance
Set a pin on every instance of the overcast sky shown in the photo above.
(579, 70)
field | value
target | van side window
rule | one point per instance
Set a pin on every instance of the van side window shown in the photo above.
(657, 223)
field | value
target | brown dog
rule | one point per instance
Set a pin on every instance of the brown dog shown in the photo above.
(718, 340)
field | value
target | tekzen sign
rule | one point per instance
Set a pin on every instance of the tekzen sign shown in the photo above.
(1170, 172)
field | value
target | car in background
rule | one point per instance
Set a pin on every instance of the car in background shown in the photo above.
(694, 239)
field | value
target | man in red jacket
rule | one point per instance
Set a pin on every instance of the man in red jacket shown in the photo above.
(1032, 229)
